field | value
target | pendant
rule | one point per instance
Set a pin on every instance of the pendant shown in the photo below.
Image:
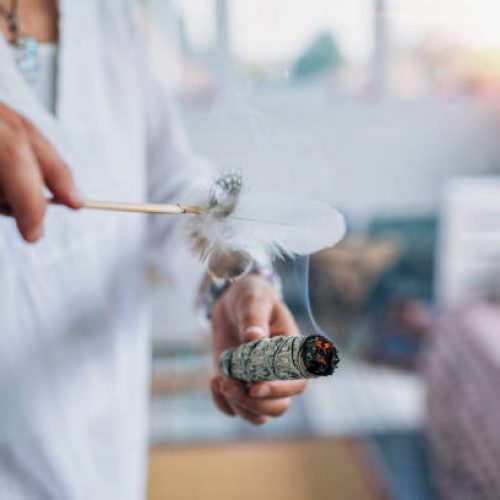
(27, 58)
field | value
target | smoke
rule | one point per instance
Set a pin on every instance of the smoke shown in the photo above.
(301, 274)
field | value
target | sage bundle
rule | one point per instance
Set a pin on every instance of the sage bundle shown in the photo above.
(280, 358)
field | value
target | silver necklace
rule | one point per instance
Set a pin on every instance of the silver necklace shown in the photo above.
(27, 47)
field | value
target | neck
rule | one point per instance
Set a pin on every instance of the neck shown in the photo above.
(35, 18)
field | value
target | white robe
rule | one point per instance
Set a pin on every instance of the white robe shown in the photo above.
(74, 341)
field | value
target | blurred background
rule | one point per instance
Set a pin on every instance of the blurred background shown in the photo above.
(389, 110)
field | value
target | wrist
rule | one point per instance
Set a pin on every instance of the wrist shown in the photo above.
(216, 287)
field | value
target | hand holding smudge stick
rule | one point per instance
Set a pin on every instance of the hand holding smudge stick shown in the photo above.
(280, 358)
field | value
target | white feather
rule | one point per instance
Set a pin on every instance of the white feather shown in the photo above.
(238, 225)
(284, 225)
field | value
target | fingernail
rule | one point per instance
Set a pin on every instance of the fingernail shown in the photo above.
(35, 234)
(256, 330)
(262, 391)
(77, 196)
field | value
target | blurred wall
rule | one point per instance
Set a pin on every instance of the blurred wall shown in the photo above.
(366, 158)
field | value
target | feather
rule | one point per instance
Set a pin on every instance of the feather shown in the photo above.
(285, 225)
(237, 226)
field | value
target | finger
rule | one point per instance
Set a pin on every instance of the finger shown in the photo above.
(239, 398)
(232, 388)
(248, 415)
(266, 407)
(57, 176)
(282, 321)
(22, 185)
(253, 314)
(219, 399)
(277, 390)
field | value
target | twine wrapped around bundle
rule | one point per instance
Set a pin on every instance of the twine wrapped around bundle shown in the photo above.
(280, 358)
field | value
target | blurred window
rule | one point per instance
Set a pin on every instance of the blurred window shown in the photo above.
(444, 48)
(350, 48)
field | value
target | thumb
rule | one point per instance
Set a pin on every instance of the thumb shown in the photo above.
(254, 317)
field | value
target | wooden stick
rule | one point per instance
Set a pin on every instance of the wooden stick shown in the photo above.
(145, 208)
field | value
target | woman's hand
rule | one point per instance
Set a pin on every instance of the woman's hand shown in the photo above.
(28, 164)
(248, 310)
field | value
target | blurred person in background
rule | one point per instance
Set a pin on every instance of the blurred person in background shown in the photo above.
(74, 344)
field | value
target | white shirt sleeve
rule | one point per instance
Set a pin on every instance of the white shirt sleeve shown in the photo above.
(175, 175)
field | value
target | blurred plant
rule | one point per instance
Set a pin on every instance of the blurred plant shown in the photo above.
(322, 55)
